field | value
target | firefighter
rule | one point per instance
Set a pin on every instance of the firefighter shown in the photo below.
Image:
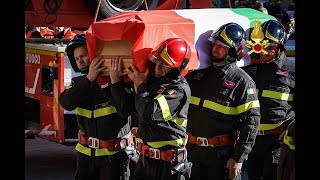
(162, 101)
(274, 76)
(286, 168)
(224, 111)
(103, 115)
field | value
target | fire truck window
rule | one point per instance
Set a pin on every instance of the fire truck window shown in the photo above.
(49, 74)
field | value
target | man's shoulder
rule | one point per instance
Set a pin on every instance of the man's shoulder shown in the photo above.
(78, 78)
(289, 65)
(241, 73)
(195, 73)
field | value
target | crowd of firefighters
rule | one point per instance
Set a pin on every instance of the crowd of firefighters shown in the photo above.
(220, 122)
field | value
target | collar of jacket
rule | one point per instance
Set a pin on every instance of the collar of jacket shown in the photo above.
(279, 61)
(226, 68)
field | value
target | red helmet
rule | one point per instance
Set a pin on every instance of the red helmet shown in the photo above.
(174, 52)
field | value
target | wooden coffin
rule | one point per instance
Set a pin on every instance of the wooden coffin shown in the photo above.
(111, 49)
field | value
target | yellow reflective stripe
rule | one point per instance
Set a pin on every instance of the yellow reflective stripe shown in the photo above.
(277, 95)
(104, 151)
(166, 111)
(83, 112)
(99, 152)
(288, 140)
(67, 87)
(245, 107)
(164, 107)
(104, 111)
(231, 110)
(127, 90)
(83, 149)
(268, 35)
(264, 127)
(176, 142)
(179, 121)
(164, 55)
(194, 100)
(226, 38)
(219, 107)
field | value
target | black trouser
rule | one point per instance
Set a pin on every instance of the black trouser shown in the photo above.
(264, 157)
(286, 168)
(209, 162)
(114, 167)
(155, 169)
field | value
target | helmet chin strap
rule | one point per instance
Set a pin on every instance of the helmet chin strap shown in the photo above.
(85, 70)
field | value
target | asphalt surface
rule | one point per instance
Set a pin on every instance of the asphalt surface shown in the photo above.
(47, 160)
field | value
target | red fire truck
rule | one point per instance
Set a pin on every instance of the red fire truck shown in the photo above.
(47, 72)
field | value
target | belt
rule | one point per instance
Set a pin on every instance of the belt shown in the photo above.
(221, 140)
(278, 130)
(111, 144)
(171, 155)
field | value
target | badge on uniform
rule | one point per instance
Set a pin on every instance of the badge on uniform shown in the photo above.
(251, 91)
(172, 93)
(282, 73)
(228, 84)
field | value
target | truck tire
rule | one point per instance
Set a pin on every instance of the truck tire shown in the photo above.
(111, 7)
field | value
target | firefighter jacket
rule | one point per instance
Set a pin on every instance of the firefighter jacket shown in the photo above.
(224, 101)
(275, 85)
(162, 106)
(102, 113)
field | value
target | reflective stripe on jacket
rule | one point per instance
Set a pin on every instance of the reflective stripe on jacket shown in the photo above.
(102, 113)
(162, 106)
(223, 101)
(276, 84)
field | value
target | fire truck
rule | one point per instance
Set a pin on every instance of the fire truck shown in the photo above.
(47, 72)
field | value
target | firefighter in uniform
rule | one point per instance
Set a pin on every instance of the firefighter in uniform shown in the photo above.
(224, 111)
(162, 102)
(103, 115)
(286, 168)
(274, 76)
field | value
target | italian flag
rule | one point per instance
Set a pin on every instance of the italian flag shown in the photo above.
(149, 28)
(207, 20)
(251, 91)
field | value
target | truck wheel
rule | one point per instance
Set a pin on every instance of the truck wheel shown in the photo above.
(112, 7)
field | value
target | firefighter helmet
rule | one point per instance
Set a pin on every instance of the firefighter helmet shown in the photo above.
(173, 52)
(266, 41)
(274, 31)
(78, 40)
(230, 34)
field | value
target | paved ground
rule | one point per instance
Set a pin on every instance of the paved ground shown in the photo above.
(47, 160)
